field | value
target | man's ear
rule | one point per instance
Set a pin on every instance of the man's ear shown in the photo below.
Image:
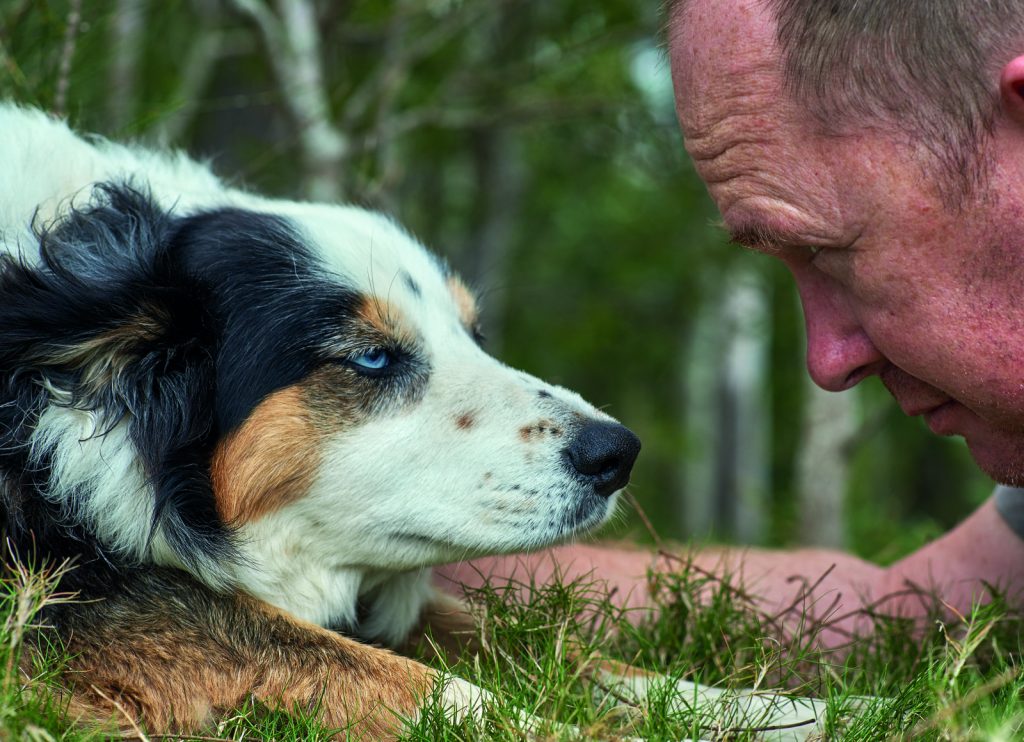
(1011, 90)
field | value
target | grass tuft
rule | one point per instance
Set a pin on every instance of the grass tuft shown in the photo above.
(543, 656)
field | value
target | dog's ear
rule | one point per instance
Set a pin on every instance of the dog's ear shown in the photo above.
(109, 320)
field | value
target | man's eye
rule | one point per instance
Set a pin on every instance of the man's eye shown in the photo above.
(819, 255)
(371, 361)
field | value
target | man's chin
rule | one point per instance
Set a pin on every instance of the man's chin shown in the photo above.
(1000, 455)
(997, 450)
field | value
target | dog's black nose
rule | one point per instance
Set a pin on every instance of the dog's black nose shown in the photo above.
(603, 454)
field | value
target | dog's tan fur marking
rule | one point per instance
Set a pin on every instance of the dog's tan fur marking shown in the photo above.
(464, 301)
(104, 357)
(141, 327)
(387, 319)
(465, 421)
(269, 461)
(176, 671)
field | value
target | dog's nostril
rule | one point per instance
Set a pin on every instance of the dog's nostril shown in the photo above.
(603, 454)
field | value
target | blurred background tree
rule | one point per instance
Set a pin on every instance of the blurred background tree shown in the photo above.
(533, 145)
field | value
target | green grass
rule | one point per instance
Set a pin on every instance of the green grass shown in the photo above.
(940, 679)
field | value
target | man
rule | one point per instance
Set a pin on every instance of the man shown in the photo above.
(877, 149)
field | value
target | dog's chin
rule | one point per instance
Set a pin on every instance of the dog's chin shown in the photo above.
(589, 514)
(579, 518)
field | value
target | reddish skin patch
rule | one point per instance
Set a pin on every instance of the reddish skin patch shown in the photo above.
(465, 421)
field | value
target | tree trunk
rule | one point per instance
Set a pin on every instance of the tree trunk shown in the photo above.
(128, 26)
(729, 425)
(823, 466)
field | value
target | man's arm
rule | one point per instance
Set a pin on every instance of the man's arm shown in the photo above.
(981, 549)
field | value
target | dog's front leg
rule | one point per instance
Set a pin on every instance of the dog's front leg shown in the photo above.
(167, 654)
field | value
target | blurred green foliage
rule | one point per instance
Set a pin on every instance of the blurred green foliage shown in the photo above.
(534, 145)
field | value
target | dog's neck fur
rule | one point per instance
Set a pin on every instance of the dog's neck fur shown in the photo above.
(282, 565)
(377, 605)
(99, 483)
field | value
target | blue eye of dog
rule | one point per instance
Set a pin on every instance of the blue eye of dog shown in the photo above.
(371, 361)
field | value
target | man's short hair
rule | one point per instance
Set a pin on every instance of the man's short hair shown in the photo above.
(924, 68)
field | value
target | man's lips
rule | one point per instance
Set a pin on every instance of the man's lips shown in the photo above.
(916, 397)
(937, 413)
(913, 409)
(940, 419)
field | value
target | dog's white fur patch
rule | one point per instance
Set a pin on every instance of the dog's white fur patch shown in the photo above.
(102, 465)
(97, 479)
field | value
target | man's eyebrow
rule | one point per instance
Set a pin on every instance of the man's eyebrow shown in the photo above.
(761, 237)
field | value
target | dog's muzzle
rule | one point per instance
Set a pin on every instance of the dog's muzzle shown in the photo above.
(602, 455)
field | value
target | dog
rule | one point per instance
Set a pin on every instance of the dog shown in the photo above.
(252, 425)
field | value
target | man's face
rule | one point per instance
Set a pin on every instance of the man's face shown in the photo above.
(893, 282)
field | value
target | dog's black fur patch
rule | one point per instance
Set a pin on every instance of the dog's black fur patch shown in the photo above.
(210, 314)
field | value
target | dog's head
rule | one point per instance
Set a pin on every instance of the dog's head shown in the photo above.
(237, 385)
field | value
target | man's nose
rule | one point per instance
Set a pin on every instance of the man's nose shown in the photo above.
(839, 352)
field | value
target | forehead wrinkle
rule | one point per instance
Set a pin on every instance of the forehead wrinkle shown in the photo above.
(741, 142)
(763, 157)
(762, 183)
(741, 91)
(736, 116)
(742, 120)
(770, 172)
(733, 159)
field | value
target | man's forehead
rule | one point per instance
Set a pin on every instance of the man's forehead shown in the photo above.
(723, 53)
(734, 20)
(757, 151)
